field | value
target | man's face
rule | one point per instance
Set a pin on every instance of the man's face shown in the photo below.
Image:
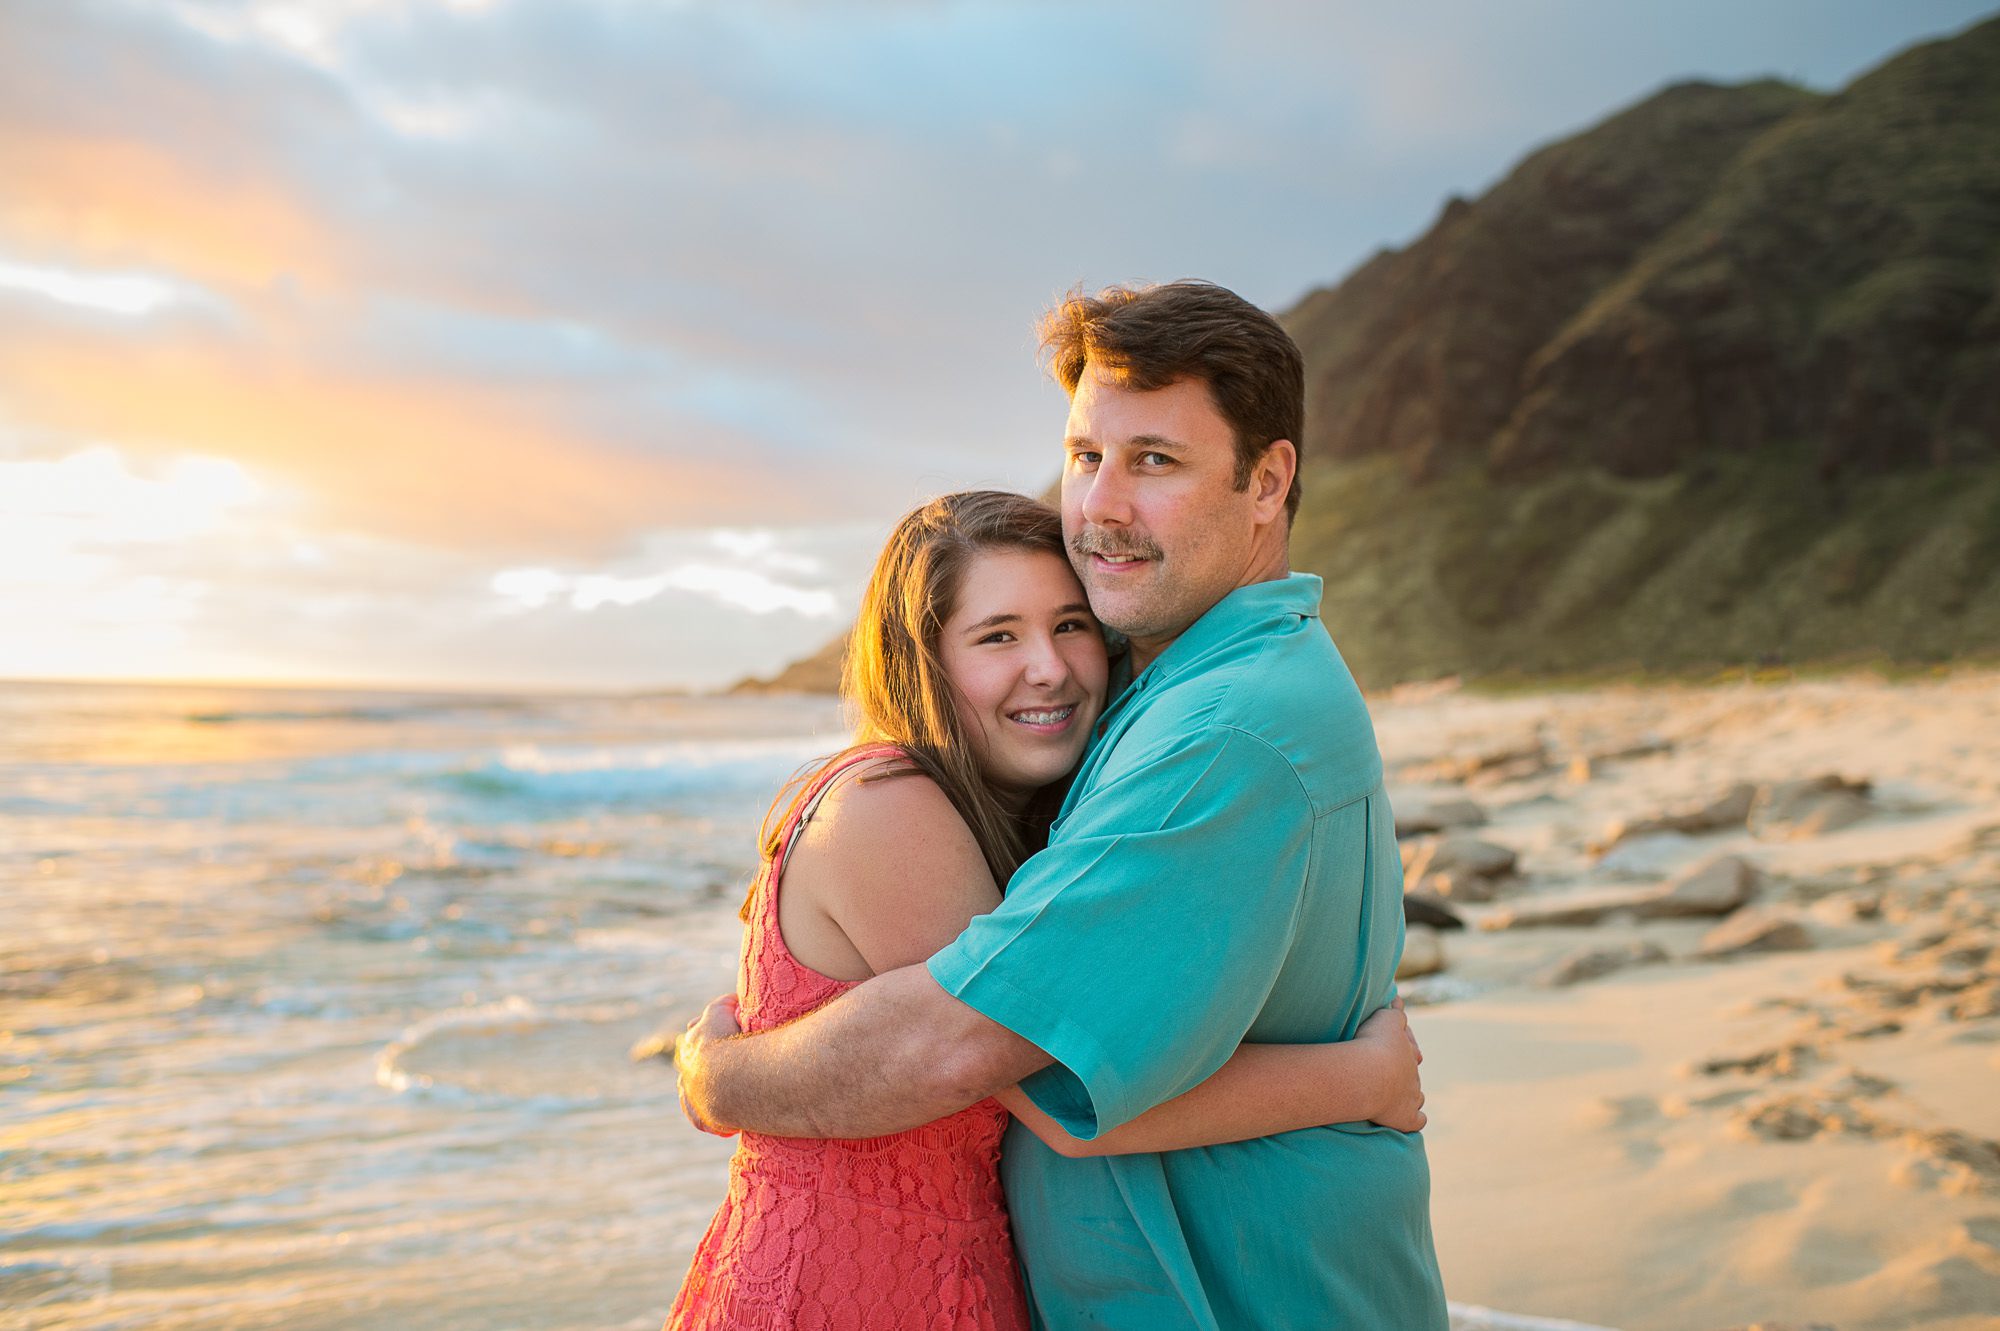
(1157, 530)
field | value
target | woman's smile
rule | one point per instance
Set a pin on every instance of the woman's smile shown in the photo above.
(1045, 720)
(1026, 662)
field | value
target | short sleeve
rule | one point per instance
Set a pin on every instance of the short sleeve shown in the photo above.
(1140, 946)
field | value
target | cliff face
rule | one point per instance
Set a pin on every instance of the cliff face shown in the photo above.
(1715, 381)
(1426, 353)
(818, 673)
(1713, 270)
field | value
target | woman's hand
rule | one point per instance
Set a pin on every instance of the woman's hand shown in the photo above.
(1389, 1040)
(717, 1021)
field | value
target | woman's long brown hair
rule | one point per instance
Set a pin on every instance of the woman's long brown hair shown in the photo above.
(893, 679)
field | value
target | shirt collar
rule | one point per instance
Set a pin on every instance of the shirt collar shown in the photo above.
(1246, 612)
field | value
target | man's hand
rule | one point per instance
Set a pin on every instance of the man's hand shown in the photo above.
(1387, 1033)
(717, 1021)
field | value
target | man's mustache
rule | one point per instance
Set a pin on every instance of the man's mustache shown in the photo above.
(1093, 541)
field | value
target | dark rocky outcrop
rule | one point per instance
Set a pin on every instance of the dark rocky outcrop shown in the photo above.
(818, 673)
(1714, 382)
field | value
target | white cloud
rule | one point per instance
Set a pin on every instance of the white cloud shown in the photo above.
(94, 499)
(760, 545)
(739, 588)
(753, 591)
(133, 295)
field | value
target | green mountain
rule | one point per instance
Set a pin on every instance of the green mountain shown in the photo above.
(1716, 381)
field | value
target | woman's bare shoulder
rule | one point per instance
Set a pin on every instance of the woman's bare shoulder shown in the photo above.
(893, 865)
(886, 801)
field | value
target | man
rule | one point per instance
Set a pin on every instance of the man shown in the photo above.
(1224, 869)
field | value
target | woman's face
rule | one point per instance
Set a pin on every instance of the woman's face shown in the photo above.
(1027, 660)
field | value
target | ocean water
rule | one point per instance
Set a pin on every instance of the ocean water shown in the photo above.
(315, 1006)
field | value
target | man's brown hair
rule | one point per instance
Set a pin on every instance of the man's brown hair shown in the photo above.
(1153, 336)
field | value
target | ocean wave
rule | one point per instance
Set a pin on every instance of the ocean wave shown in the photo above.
(621, 775)
(512, 1052)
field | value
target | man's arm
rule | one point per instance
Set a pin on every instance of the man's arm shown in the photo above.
(1266, 1089)
(889, 1054)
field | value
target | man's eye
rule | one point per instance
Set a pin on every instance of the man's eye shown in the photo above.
(1084, 458)
(1156, 459)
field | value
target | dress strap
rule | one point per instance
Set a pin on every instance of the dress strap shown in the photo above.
(822, 784)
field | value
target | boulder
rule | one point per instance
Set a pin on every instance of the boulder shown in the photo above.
(1458, 886)
(1460, 854)
(1789, 810)
(1420, 908)
(1838, 809)
(1438, 816)
(1514, 761)
(1570, 909)
(1645, 747)
(1593, 962)
(1649, 856)
(1729, 809)
(1423, 954)
(1715, 888)
(1754, 930)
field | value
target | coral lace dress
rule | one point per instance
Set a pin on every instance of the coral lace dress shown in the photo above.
(908, 1230)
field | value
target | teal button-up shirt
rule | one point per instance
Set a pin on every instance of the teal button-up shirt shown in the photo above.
(1224, 869)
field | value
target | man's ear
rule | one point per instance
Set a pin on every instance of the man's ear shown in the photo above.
(1272, 480)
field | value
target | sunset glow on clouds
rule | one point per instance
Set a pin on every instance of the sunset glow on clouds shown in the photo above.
(597, 342)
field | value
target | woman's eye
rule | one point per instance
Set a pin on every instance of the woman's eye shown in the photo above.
(998, 635)
(1071, 626)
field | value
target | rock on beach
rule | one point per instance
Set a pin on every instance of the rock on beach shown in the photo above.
(1591, 963)
(1423, 953)
(1717, 887)
(1789, 810)
(1754, 930)
(1438, 816)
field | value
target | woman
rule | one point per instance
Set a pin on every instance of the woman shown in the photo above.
(977, 672)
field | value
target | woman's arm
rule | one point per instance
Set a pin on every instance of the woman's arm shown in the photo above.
(1265, 1089)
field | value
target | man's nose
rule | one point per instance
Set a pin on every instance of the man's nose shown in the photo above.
(1106, 500)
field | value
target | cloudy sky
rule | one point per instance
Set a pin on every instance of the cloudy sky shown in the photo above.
(596, 343)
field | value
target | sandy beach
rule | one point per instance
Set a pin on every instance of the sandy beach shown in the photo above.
(1798, 1132)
